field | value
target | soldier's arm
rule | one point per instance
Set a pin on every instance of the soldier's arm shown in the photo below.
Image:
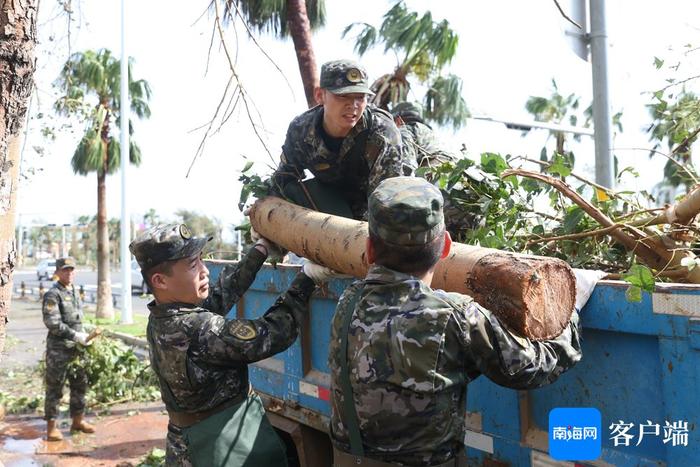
(233, 282)
(386, 156)
(508, 359)
(245, 341)
(51, 314)
(288, 169)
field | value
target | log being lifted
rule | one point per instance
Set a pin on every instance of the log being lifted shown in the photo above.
(533, 295)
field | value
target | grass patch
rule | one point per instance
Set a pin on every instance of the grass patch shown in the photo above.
(138, 329)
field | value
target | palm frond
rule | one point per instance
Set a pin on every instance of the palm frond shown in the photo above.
(270, 16)
(134, 153)
(444, 103)
(365, 39)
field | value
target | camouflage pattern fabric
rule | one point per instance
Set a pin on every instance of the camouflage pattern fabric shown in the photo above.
(344, 77)
(63, 317)
(412, 350)
(176, 454)
(421, 143)
(201, 359)
(166, 242)
(371, 152)
(406, 211)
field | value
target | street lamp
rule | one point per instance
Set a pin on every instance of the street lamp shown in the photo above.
(126, 315)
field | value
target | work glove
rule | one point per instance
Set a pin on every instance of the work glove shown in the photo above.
(321, 274)
(82, 338)
(585, 283)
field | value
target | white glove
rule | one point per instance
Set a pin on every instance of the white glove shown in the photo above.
(254, 235)
(82, 338)
(321, 274)
(585, 283)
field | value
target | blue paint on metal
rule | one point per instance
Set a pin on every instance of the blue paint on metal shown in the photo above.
(638, 366)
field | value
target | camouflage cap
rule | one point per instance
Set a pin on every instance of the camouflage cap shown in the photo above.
(408, 111)
(65, 263)
(165, 243)
(344, 77)
(406, 211)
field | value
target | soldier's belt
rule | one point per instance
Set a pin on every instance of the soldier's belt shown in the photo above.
(344, 459)
(186, 419)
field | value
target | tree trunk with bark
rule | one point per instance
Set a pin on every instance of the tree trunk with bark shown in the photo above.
(17, 65)
(104, 285)
(300, 30)
(533, 295)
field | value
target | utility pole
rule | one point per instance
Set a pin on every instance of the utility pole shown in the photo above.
(125, 224)
(602, 120)
(580, 41)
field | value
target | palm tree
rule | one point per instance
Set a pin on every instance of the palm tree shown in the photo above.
(561, 109)
(556, 108)
(425, 48)
(96, 75)
(285, 18)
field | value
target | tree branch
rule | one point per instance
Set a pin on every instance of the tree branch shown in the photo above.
(637, 242)
(566, 17)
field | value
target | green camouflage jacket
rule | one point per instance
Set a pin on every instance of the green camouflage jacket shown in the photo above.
(62, 314)
(412, 350)
(370, 153)
(201, 358)
(420, 142)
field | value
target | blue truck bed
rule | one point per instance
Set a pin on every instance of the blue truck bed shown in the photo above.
(641, 365)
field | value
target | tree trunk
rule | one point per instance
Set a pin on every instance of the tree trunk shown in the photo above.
(533, 295)
(104, 285)
(300, 30)
(17, 64)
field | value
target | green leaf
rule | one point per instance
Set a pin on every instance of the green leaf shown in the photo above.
(560, 166)
(493, 163)
(538, 230)
(640, 276)
(572, 219)
(247, 166)
(658, 63)
(633, 294)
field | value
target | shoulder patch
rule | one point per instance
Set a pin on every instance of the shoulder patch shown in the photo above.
(242, 330)
(50, 304)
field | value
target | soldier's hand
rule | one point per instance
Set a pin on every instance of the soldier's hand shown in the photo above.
(321, 274)
(271, 249)
(254, 235)
(82, 338)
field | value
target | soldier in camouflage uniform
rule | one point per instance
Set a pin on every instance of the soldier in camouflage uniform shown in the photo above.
(63, 317)
(347, 145)
(418, 137)
(420, 141)
(201, 358)
(410, 350)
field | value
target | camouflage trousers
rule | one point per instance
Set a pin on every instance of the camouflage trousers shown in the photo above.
(176, 448)
(58, 357)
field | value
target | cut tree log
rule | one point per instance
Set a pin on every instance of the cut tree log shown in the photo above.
(533, 295)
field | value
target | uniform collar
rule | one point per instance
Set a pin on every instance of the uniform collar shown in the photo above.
(384, 275)
(169, 309)
(312, 132)
(60, 285)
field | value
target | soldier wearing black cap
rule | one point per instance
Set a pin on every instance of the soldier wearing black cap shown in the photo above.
(63, 316)
(348, 145)
(201, 359)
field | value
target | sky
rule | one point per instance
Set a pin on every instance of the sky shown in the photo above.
(508, 51)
